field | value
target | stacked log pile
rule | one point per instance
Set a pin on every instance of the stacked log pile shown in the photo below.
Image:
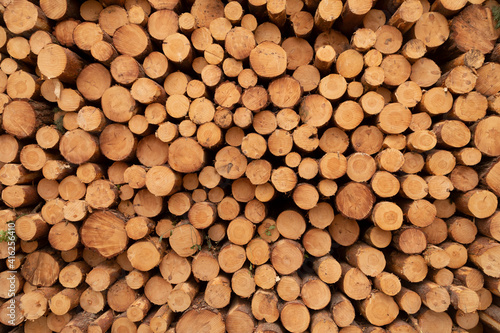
(249, 166)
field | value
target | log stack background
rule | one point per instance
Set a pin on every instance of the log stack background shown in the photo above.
(269, 166)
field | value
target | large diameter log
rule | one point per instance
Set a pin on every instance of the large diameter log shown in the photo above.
(354, 283)
(491, 176)
(201, 316)
(105, 232)
(186, 155)
(161, 181)
(41, 268)
(490, 227)
(379, 309)
(428, 321)
(268, 60)
(22, 118)
(490, 317)
(471, 29)
(185, 240)
(287, 256)
(147, 254)
(485, 136)
(434, 296)
(355, 200)
(483, 252)
(78, 147)
(93, 80)
(56, 61)
(79, 323)
(408, 267)
(368, 259)
(477, 203)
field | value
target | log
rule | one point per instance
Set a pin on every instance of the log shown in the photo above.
(226, 158)
(480, 247)
(379, 309)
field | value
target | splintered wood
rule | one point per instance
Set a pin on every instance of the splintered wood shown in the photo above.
(260, 166)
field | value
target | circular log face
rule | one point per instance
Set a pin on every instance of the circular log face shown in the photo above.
(40, 269)
(268, 60)
(355, 200)
(104, 232)
(197, 320)
(487, 136)
(185, 155)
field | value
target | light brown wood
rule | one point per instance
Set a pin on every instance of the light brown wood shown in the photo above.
(376, 303)
(213, 148)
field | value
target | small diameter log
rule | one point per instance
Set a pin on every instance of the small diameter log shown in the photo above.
(151, 249)
(457, 252)
(157, 290)
(34, 303)
(138, 309)
(470, 277)
(436, 257)
(22, 118)
(185, 240)
(353, 14)
(137, 279)
(490, 317)
(328, 269)
(483, 135)
(489, 227)
(120, 296)
(470, 107)
(343, 230)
